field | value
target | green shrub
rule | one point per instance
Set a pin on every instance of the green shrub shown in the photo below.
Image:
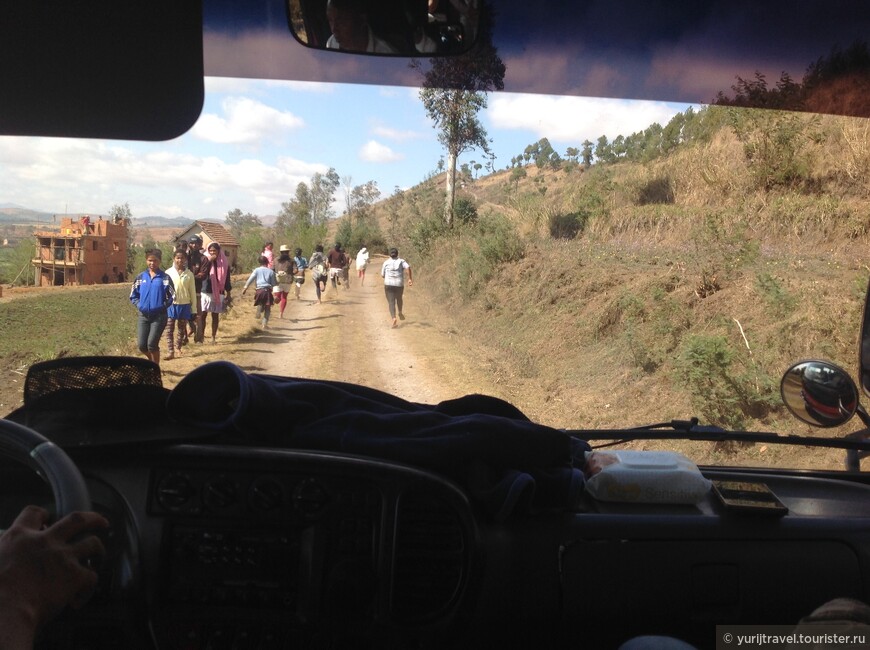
(464, 212)
(780, 301)
(424, 232)
(568, 226)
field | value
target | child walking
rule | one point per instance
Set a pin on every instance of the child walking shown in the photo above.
(263, 299)
(183, 309)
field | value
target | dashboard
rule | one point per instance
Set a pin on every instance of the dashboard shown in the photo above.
(217, 546)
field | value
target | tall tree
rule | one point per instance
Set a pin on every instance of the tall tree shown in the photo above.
(454, 91)
(588, 153)
(323, 188)
(240, 223)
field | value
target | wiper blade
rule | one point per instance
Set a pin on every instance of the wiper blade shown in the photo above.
(690, 430)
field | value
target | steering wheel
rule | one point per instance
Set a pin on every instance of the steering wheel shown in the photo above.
(50, 461)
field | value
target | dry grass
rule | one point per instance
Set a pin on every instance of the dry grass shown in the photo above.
(589, 332)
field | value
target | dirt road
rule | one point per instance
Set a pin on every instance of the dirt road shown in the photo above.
(347, 338)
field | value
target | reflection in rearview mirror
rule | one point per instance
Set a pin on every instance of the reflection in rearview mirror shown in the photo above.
(819, 393)
(400, 27)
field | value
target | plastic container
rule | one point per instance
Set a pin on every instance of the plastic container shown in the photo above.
(630, 476)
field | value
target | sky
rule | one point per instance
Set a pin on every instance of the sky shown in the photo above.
(256, 140)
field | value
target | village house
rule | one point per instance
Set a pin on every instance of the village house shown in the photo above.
(82, 251)
(213, 232)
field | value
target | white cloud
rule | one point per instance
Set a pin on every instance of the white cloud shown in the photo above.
(575, 119)
(395, 134)
(373, 151)
(245, 121)
(60, 174)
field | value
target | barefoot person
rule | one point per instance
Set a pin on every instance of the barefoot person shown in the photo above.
(393, 273)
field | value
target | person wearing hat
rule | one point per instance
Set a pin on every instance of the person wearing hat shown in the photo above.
(285, 271)
(195, 258)
(393, 273)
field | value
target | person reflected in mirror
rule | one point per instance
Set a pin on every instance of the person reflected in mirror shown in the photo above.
(362, 261)
(301, 264)
(469, 16)
(152, 294)
(183, 308)
(265, 280)
(319, 270)
(43, 569)
(349, 24)
(215, 275)
(393, 273)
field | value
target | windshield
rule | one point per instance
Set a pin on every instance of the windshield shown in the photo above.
(599, 263)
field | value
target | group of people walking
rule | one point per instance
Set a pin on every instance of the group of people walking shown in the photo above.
(175, 302)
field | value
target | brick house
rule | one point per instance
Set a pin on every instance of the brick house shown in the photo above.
(213, 232)
(82, 251)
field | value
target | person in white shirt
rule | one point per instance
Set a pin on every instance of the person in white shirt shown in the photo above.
(362, 261)
(350, 29)
(393, 273)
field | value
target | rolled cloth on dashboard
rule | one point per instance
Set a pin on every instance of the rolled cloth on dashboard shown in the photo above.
(507, 463)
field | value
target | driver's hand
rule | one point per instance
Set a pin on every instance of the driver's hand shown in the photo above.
(42, 570)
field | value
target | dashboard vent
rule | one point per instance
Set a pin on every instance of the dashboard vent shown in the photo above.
(431, 556)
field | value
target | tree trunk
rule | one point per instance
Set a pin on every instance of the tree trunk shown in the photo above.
(451, 188)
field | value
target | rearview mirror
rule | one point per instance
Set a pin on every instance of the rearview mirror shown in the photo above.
(398, 27)
(819, 393)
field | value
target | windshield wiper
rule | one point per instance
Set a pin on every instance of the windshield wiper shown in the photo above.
(857, 443)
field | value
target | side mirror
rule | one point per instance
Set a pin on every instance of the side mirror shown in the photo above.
(398, 27)
(819, 393)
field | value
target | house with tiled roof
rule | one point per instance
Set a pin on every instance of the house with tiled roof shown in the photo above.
(211, 231)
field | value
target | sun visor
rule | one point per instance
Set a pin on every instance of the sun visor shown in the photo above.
(100, 69)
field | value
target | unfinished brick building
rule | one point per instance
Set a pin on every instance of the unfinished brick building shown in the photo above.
(82, 251)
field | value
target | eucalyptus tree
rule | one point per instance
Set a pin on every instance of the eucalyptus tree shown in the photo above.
(453, 93)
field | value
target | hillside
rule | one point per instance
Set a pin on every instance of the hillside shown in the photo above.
(670, 288)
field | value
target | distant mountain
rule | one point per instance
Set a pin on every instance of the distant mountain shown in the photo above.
(162, 222)
(11, 213)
